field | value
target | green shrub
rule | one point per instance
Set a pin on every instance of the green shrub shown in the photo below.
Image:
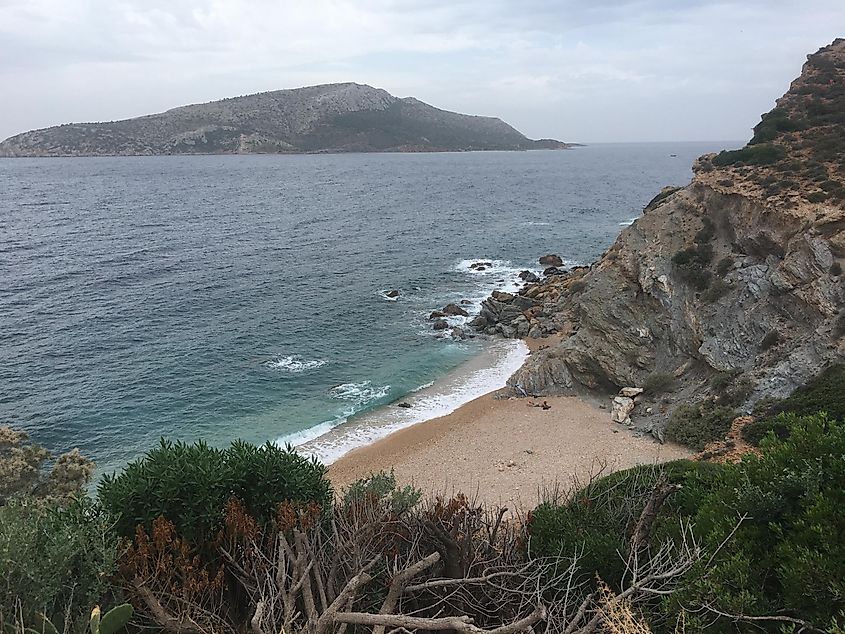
(823, 393)
(786, 556)
(658, 382)
(707, 231)
(692, 264)
(772, 124)
(754, 432)
(380, 489)
(737, 392)
(695, 425)
(816, 197)
(55, 560)
(724, 265)
(191, 484)
(717, 289)
(761, 154)
(594, 522)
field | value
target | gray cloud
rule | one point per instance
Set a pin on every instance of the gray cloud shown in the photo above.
(591, 70)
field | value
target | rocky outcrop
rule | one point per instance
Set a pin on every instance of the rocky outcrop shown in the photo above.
(740, 272)
(328, 118)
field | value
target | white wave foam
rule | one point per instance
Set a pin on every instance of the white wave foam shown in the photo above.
(295, 364)
(359, 393)
(628, 223)
(476, 378)
(298, 438)
(532, 223)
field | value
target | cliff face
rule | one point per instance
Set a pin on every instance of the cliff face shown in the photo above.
(738, 272)
(328, 118)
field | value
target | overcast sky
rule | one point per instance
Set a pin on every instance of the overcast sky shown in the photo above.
(576, 70)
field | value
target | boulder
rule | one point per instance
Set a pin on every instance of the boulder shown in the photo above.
(622, 408)
(437, 314)
(631, 392)
(466, 302)
(458, 333)
(404, 404)
(528, 276)
(551, 260)
(553, 270)
(501, 296)
(441, 324)
(480, 266)
(453, 310)
(392, 293)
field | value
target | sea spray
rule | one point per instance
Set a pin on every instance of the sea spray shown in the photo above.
(480, 375)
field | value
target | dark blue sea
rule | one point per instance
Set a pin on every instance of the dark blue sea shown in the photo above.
(223, 297)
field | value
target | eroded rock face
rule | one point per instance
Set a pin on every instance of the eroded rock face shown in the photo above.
(698, 283)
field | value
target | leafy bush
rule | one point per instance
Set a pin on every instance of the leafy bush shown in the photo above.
(760, 154)
(594, 521)
(724, 265)
(54, 560)
(785, 556)
(754, 432)
(658, 382)
(772, 124)
(824, 393)
(816, 197)
(717, 289)
(380, 489)
(692, 264)
(706, 233)
(190, 485)
(695, 425)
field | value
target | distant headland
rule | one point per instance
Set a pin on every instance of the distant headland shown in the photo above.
(344, 117)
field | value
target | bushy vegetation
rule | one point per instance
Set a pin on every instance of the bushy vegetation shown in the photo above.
(658, 382)
(762, 154)
(190, 484)
(23, 471)
(696, 424)
(202, 539)
(56, 561)
(774, 525)
(769, 528)
(824, 393)
(693, 262)
(772, 124)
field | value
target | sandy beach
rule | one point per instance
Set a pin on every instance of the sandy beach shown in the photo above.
(505, 450)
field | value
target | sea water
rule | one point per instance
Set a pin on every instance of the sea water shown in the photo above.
(223, 297)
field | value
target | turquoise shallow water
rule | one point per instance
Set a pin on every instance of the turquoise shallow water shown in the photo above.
(219, 297)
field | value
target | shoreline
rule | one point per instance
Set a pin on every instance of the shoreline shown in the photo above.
(503, 450)
(486, 371)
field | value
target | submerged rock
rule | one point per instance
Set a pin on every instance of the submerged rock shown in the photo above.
(440, 324)
(551, 260)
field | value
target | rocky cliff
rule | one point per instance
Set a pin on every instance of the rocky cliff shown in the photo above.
(329, 118)
(734, 280)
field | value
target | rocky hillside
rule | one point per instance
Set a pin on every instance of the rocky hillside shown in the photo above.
(727, 291)
(328, 118)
